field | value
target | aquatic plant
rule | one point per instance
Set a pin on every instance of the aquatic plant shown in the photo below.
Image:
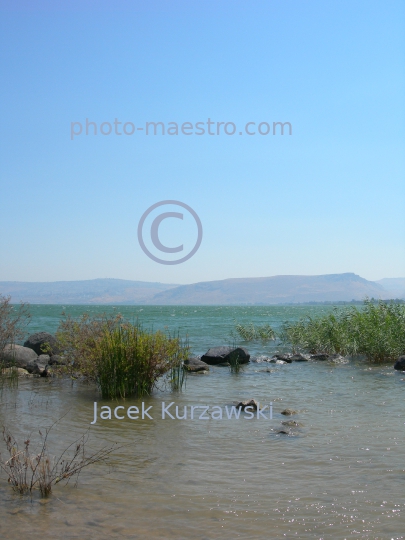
(8, 377)
(131, 360)
(375, 331)
(122, 358)
(234, 363)
(27, 470)
(250, 332)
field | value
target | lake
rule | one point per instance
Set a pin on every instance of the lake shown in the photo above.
(340, 474)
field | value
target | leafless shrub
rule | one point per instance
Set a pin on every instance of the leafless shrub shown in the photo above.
(12, 321)
(27, 470)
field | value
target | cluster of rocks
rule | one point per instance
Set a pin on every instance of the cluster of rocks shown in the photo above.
(30, 357)
(222, 356)
(217, 356)
(289, 358)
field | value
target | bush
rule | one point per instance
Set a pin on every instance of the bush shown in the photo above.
(12, 324)
(377, 332)
(122, 358)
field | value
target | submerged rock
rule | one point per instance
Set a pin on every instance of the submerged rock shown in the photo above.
(260, 359)
(291, 423)
(17, 355)
(40, 339)
(289, 412)
(223, 355)
(400, 363)
(338, 359)
(299, 358)
(248, 403)
(320, 356)
(194, 365)
(285, 357)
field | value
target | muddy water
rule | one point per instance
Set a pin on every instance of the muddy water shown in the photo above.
(341, 474)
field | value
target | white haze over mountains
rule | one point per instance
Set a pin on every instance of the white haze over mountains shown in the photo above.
(267, 290)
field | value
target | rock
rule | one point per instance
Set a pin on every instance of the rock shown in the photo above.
(38, 367)
(43, 359)
(400, 364)
(338, 359)
(248, 403)
(275, 361)
(17, 355)
(21, 372)
(195, 365)
(291, 423)
(40, 339)
(299, 358)
(288, 412)
(320, 356)
(285, 357)
(260, 359)
(57, 360)
(223, 355)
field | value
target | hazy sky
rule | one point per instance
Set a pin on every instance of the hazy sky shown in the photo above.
(327, 199)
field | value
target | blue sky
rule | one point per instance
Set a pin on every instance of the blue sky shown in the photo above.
(327, 199)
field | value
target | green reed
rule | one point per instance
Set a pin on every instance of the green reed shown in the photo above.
(375, 331)
(130, 361)
(250, 332)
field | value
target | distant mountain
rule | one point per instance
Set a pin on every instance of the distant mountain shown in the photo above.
(92, 291)
(273, 290)
(266, 290)
(395, 286)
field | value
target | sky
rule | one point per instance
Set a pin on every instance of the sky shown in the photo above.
(327, 198)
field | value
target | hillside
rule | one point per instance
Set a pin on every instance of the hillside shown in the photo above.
(92, 291)
(266, 290)
(273, 290)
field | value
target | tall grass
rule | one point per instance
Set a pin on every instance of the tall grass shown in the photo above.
(122, 358)
(8, 377)
(250, 332)
(131, 360)
(375, 331)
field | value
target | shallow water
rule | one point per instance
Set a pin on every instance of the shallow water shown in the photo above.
(340, 475)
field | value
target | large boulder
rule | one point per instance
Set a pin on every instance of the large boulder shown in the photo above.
(223, 355)
(195, 365)
(400, 364)
(17, 355)
(40, 339)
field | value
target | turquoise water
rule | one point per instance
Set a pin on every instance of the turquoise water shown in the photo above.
(340, 475)
(204, 326)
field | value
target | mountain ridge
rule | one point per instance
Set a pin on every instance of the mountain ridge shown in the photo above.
(281, 289)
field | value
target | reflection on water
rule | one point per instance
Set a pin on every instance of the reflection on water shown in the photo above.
(341, 474)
